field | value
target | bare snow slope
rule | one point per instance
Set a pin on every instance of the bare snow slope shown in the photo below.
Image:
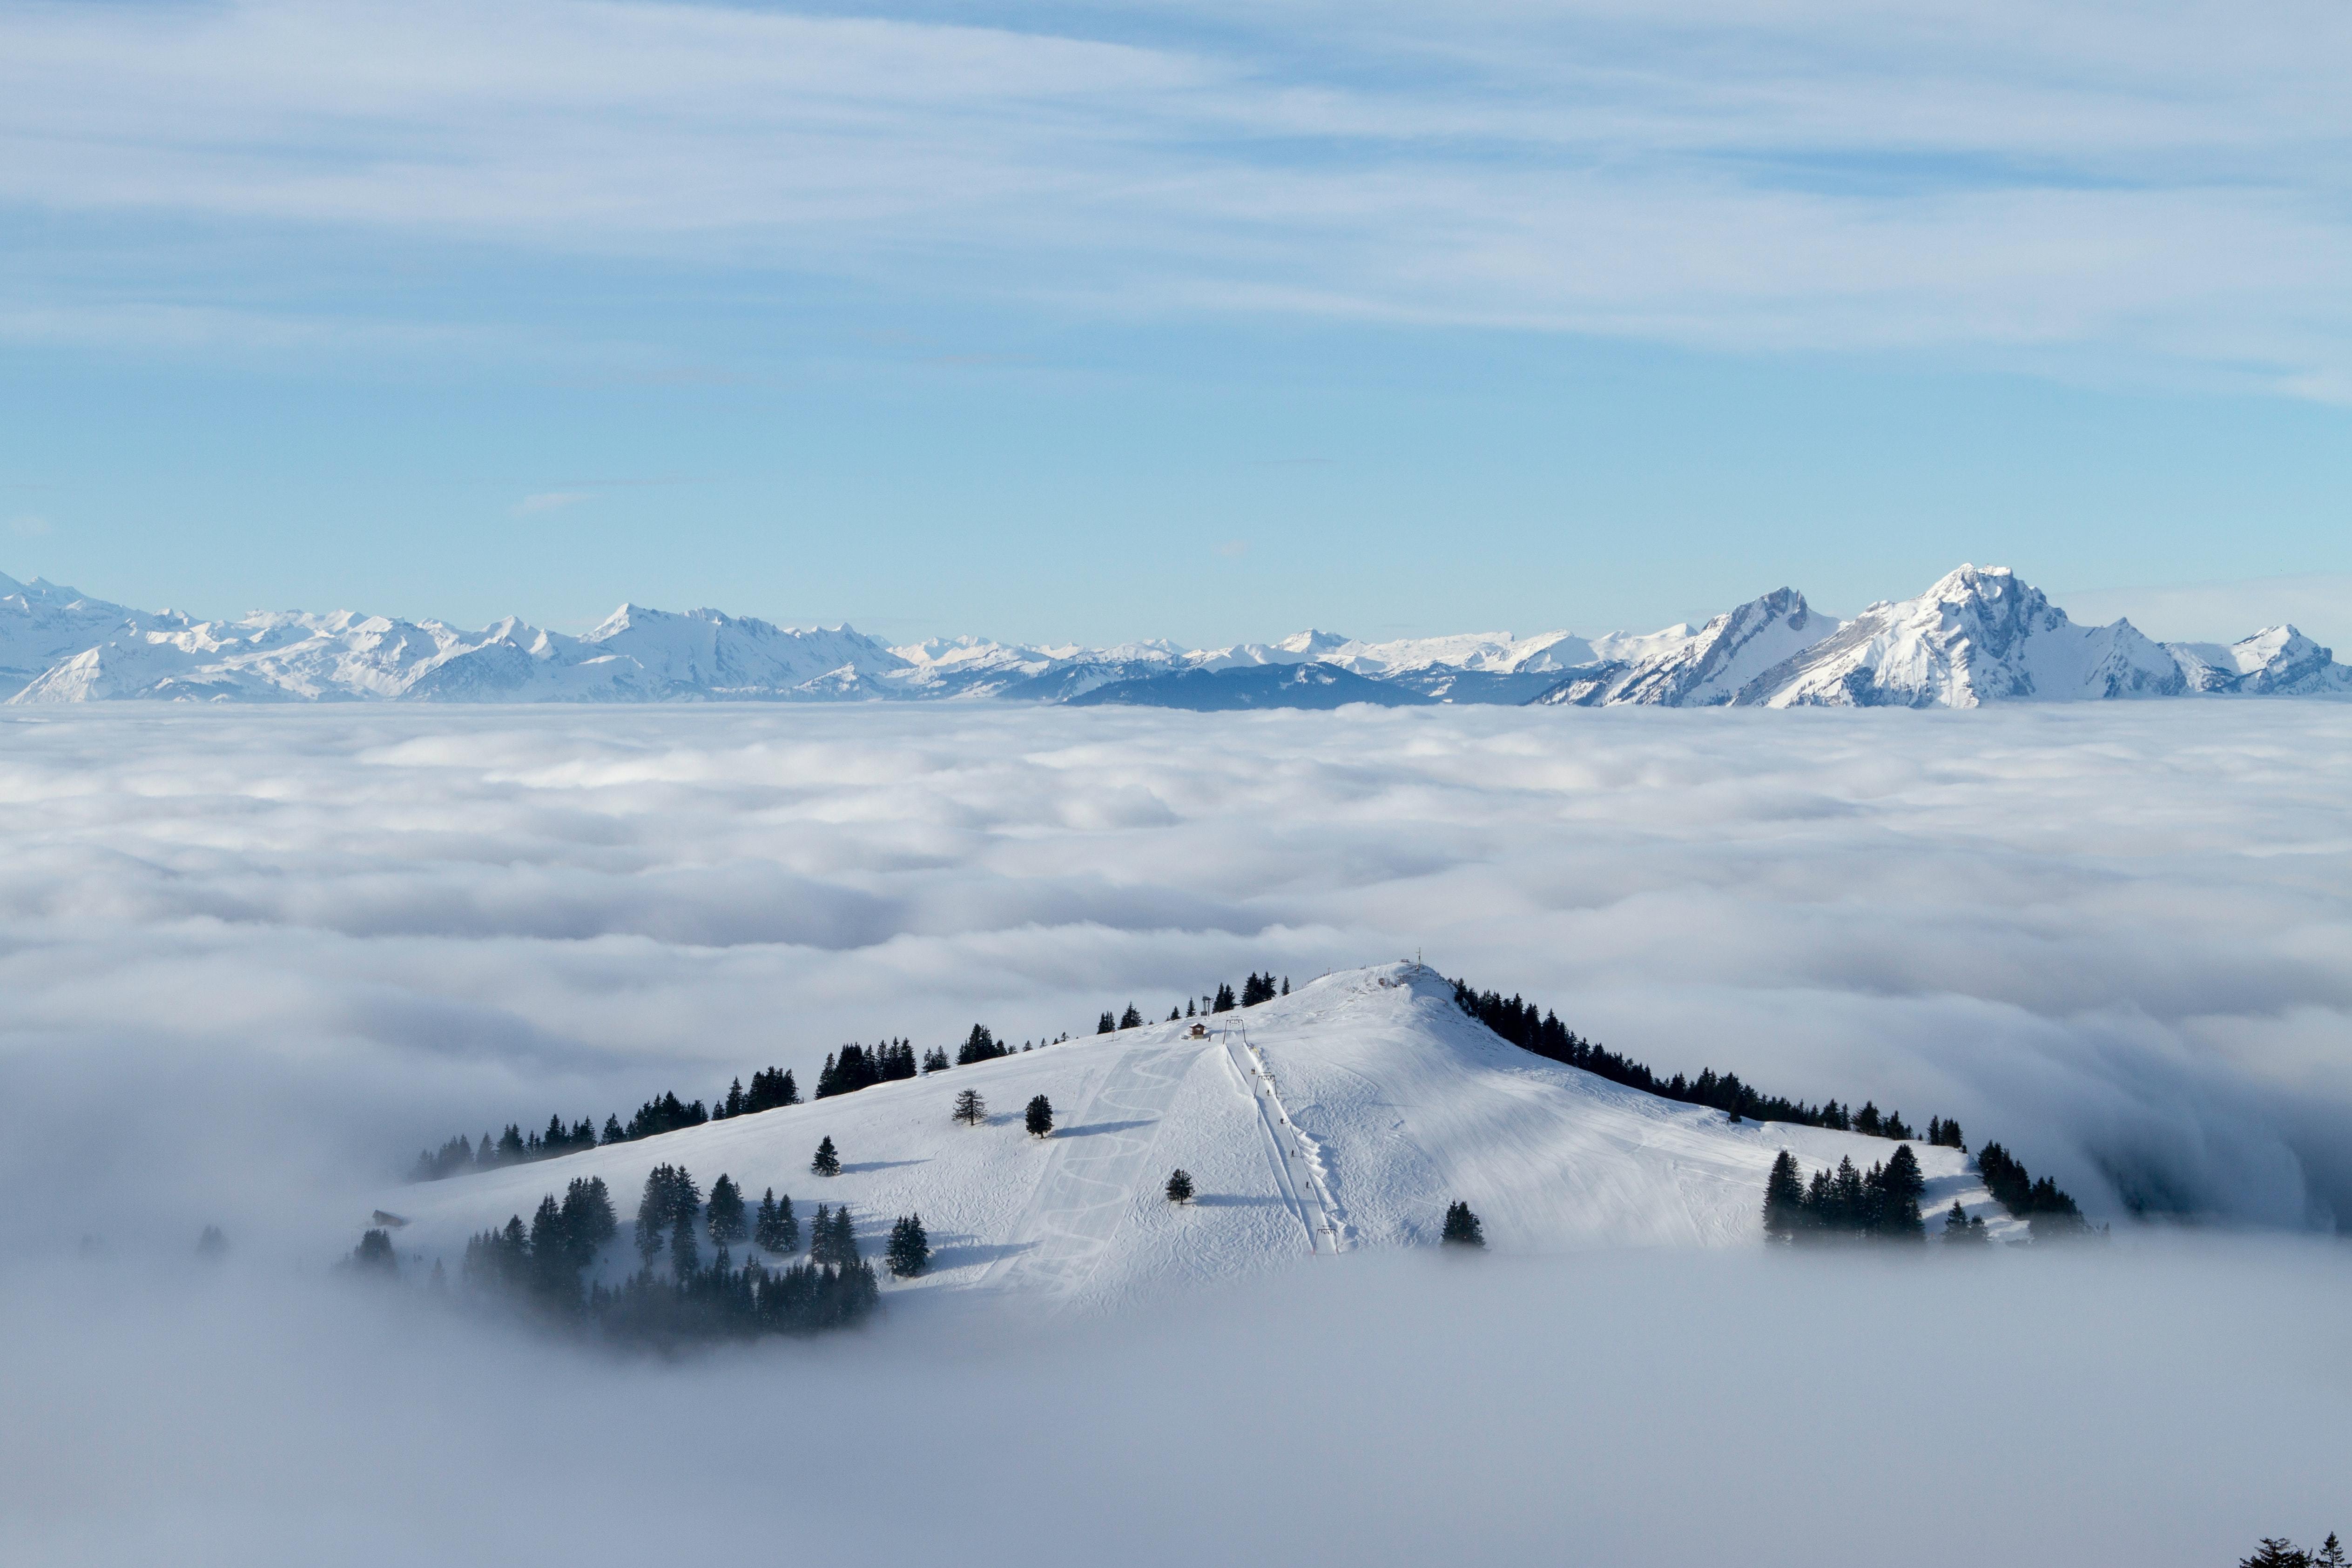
(1343, 1116)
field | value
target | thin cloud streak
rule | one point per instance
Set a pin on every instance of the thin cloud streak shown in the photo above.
(1833, 177)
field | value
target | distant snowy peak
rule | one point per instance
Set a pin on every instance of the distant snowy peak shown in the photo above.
(1979, 635)
(2278, 661)
(1703, 668)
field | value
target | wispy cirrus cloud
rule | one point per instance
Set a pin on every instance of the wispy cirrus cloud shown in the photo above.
(2101, 182)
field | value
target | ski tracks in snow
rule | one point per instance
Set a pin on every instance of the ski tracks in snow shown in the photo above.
(1097, 1164)
(1297, 1160)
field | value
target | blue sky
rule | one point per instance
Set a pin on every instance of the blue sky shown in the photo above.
(1204, 322)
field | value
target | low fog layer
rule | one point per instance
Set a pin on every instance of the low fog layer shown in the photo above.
(256, 960)
(2160, 1404)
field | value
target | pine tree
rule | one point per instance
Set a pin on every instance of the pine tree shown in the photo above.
(935, 1059)
(2277, 1552)
(1180, 1186)
(844, 1238)
(827, 1162)
(1105, 1024)
(1285, 985)
(374, 1255)
(1462, 1226)
(653, 1213)
(910, 1250)
(1899, 1190)
(1188, 1007)
(726, 1225)
(613, 1134)
(1224, 1002)
(1171, 1015)
(588, 1219)
(685, 1255)
(820, 1236)
(2330, 1554)
(970, 1108)
(1784, 1199)
(1040, 1116)
(554, 1268)
(767, 1228)
(1130, 1019)
(734, 1105)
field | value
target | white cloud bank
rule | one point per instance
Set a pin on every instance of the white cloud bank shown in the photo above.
(252, 958)
(2119, 939)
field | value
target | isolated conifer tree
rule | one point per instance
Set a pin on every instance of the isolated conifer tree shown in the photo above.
(726, 1225)
(1171, 1015)
(1105, 1024)
(1462, 1226)
(1040, 1116)
(1130, 1019)
(1285, 985)
(2330, 1554)
(1180, 1186)
(1224, 1002)
(827, 1162)
(1188, 1008)
(910, 1250)
(970, 1108)
(1784, 1199)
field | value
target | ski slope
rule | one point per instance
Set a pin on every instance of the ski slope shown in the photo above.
(1341, 1117)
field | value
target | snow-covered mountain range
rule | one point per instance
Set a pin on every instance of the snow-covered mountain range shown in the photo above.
(1344, 1116)
(1977, 635)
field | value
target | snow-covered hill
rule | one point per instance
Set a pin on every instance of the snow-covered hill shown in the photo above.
(1342, 1117)
(1979, 635)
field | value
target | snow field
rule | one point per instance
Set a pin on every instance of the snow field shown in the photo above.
(1345, 1115)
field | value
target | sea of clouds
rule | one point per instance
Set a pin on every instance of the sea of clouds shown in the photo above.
(253, 961)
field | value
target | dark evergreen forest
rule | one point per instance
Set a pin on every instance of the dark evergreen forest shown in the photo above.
(539, 1267)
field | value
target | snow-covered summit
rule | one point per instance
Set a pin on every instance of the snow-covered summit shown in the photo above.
(1342, 1117)
(1979, 635)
